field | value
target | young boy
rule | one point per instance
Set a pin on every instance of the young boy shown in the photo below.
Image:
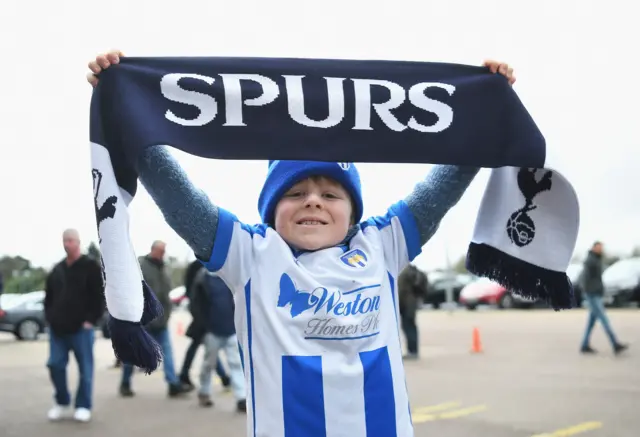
(315, 287)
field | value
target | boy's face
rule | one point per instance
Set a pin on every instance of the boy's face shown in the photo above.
(314, 214)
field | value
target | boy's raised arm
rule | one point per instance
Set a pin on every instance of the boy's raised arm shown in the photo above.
(185, 208)
(443, 187)
(433, 197)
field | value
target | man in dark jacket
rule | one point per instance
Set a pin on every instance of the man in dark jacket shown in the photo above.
(154, 272)
(196, 332)
(593, 291)
(73, 304)
(214, 309)
(412, 284)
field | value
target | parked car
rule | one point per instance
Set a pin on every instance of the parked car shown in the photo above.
(178, 296)
(9, 298)
(484, 291)
(440, 282)
(622, 282)
(23, 315)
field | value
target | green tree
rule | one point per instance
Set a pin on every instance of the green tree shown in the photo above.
(20, 276)
(27, 281)
(11, 265)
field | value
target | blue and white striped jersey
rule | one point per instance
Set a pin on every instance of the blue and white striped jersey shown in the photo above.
(318, 331)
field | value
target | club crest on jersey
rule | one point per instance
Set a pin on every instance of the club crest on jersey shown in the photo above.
(355, 258)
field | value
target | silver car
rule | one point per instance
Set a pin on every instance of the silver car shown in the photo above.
(23, 315)
(622, 282)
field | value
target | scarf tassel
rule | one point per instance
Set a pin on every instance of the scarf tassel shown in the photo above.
(522, 278)
(131, 343)
(152, 306)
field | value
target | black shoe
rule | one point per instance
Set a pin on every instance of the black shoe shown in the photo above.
(126, 392)
(205, 400)
(226, 382)
(186, 382)
(619, 348)
(241, 406)
(588, 350)
(178, 390)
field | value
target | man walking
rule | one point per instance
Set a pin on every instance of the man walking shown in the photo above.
(73, 304)
(196, 331)
(155, 275)
(214, 309)
(412, 285)
(593, 290)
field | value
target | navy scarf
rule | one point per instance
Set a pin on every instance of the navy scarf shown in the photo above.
(323, 110)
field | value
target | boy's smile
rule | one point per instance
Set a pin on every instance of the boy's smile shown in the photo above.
(311, 221)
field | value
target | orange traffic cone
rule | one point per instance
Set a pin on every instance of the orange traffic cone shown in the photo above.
(180, 328)
(476, 343)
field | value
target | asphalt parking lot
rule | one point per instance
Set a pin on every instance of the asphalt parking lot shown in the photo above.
(528, 381)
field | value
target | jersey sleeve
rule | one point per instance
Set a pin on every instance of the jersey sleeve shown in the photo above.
(399, 236)
(232, 253)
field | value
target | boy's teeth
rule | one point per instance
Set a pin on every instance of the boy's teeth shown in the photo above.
(310, 222)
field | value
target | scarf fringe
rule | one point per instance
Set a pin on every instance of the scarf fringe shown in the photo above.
(520, 277)
(133, 345)
(152, 306)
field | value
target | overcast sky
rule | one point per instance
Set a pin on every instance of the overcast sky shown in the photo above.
(575, 61)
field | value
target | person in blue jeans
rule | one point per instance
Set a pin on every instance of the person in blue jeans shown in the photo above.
(73, 304)
(175, 388)
(593, 290)
(196, 332)
(155, 275)
(213, 308)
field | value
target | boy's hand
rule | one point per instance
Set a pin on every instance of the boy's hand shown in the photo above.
(502, 68)
(102, 62)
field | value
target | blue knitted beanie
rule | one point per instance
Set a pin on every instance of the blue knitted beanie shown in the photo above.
(283, 175)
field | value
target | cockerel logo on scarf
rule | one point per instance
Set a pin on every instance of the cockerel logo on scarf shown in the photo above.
(108, 208)
(520, 227)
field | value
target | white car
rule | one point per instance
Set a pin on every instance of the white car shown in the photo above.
(178, 297)
(622, 282)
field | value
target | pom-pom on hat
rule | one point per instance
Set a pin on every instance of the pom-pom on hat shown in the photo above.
(283, 175)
